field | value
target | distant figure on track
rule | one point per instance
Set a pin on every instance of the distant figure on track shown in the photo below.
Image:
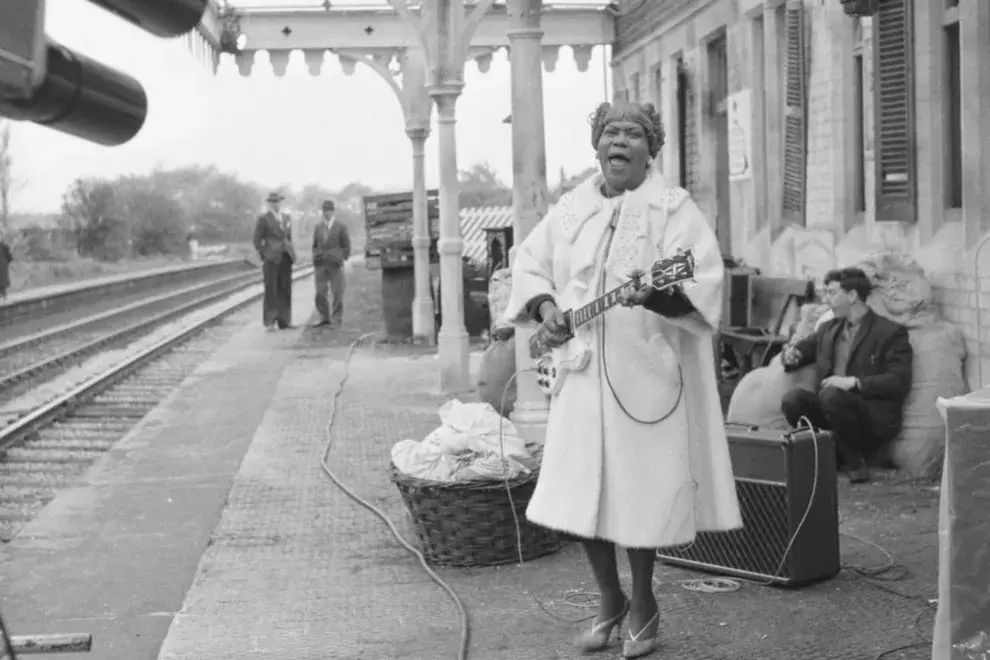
(273, 241)
(6, 256)
(331, 250)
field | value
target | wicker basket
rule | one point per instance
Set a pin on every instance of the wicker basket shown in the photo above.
(471, 523)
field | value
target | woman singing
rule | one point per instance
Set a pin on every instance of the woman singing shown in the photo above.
(636, 454)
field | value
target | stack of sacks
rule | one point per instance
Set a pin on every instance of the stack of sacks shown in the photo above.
(902, 293)
(756, 399)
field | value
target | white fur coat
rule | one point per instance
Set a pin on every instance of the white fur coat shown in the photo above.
(604, 474)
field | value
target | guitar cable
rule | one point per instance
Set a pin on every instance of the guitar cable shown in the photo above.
(602, 283)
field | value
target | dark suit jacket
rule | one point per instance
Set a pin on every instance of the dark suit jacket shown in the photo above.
(271, 241)
(880, 357)
(331, 247)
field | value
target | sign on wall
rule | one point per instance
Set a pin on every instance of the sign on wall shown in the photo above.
(740, 136)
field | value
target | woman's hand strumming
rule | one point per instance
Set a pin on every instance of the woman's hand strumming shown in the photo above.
(554, 323)
(790, 357)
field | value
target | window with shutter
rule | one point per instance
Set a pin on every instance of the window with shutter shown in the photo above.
(894, 98)
(795, 122)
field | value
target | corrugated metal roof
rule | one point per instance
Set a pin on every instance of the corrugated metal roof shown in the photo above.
(474, 221)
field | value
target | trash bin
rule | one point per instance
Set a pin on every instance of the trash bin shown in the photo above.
(398, 291)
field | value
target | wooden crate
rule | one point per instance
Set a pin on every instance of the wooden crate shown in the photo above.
(388, 220)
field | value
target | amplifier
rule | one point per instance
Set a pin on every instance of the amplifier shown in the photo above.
(790, 533)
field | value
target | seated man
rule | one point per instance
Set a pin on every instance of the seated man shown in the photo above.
(864, 361)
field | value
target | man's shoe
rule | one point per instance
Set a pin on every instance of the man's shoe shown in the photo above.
(320, 324)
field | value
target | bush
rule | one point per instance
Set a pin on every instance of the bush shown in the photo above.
(39, 244)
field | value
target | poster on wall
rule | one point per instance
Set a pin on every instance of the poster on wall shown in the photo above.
(740, 134)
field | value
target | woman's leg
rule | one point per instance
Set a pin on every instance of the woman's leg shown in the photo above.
(643, 604)
(601, 556)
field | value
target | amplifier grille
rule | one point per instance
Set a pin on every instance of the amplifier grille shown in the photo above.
(756, 548)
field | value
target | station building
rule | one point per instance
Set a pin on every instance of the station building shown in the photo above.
(812, 138)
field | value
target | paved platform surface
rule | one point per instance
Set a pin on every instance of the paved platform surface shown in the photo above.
(114, 557)
(297, 570)
(294, 569)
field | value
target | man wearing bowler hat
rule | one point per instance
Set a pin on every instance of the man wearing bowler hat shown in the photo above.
(331, 249)
(273, 241)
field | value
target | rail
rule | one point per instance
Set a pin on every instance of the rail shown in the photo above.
(13, 432)
(52, 299)
(236, 283)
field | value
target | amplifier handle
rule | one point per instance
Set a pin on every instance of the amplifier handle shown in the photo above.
(746, 425)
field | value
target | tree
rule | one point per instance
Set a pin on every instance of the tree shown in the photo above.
(88, 208)
(156, 221)
(9, 181)
(479, 186)
(217, 205)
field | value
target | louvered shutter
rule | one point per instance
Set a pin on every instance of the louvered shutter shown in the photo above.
(894, 100)
(795, 121)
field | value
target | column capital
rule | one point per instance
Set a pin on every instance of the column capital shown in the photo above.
(418, 132)
(445, 95)
(447, 89)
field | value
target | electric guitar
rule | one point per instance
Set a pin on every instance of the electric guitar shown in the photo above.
(554, 363)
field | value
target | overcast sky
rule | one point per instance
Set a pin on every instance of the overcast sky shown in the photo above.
(331, 129)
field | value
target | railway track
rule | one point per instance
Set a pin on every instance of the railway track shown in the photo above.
(25, 360)
(51, 446)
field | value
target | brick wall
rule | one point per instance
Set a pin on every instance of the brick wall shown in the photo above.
(690, 145)
(825, 129)
(648, 18)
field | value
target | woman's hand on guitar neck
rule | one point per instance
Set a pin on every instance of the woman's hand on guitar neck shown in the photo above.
(635, 292)
(554, 322)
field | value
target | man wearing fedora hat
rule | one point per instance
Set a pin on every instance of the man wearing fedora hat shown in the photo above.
(331, 249)
(273, 241)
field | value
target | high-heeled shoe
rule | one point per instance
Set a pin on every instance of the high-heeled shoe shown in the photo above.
(634, 647)
(597, 638)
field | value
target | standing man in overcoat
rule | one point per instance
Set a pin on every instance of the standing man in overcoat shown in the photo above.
(6, 256)
(331, 249)
(273, 241)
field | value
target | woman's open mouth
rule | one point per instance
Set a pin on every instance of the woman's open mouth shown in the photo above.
(618, 160)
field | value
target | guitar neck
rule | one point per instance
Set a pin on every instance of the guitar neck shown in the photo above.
(596, 307)
(663, 275)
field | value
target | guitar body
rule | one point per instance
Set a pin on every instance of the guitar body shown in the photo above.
(552, 368)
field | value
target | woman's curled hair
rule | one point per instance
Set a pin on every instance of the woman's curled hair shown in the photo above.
(644, 114)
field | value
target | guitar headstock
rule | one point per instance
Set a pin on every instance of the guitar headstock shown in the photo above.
(673, 270)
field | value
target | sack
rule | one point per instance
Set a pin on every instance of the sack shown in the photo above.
(498, 364)
(757, 397)
(939, 352)
(901, 292)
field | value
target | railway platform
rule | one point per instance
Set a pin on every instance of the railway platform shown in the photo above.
(50, 291)
(211, 532)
